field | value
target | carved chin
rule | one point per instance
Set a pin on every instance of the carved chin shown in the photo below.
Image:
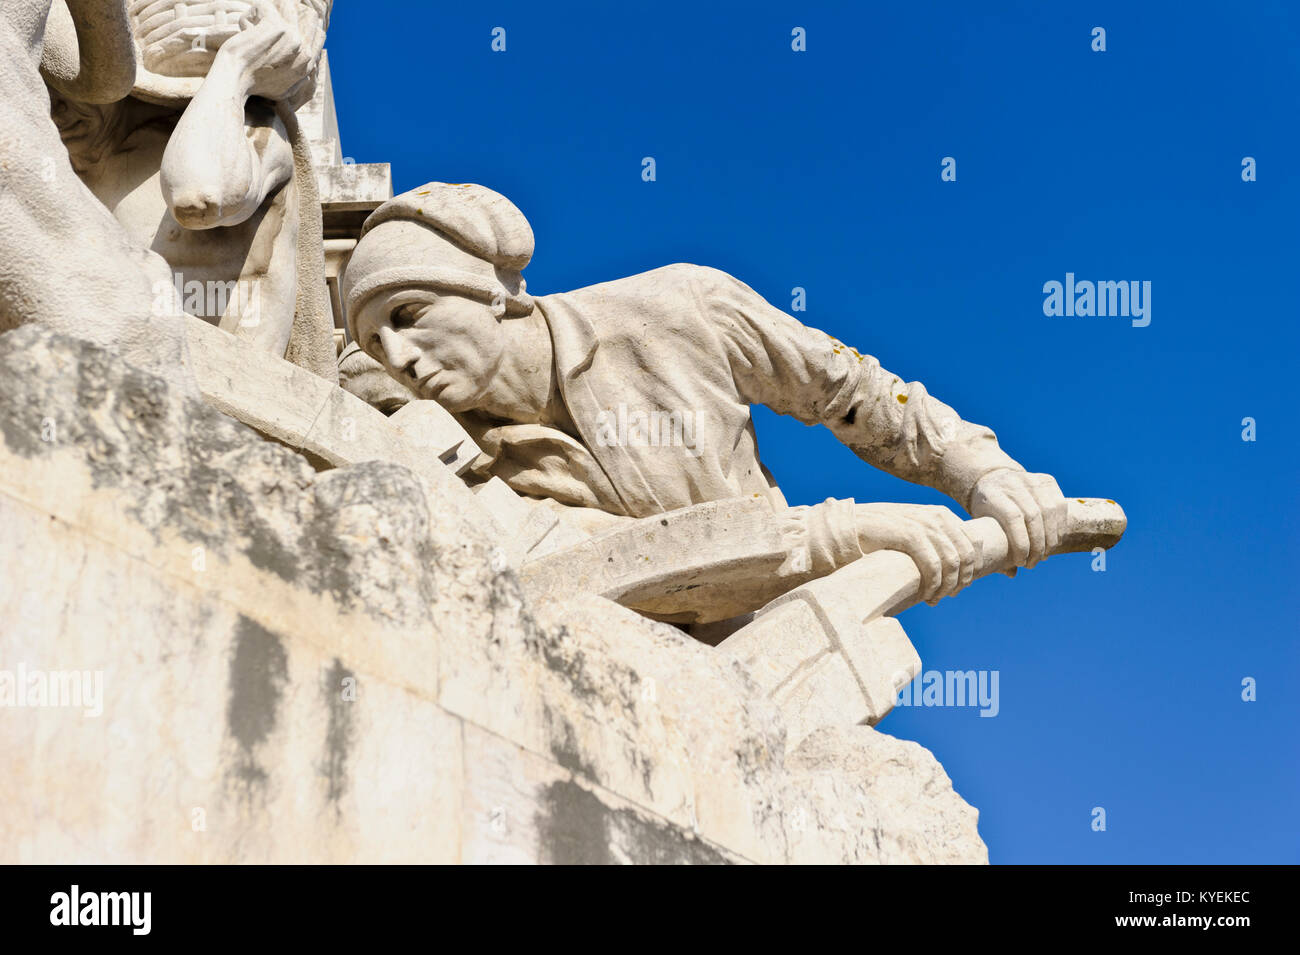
(455, 393)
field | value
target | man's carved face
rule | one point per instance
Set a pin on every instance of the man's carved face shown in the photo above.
(447, 348)
(180, 38)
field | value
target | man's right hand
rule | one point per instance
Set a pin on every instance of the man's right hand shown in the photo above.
(269, 49)
(934, 537)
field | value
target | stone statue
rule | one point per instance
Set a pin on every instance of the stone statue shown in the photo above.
(633, 396)
(205, 164)
(64, 261)
(546, 473)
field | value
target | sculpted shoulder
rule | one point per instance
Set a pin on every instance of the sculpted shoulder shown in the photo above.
(669, 286)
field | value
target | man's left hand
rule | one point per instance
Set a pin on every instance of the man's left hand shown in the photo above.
(1029, 507)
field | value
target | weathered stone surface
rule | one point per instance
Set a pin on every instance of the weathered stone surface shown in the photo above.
(428, 428)
(620, 700)
(304, 666)
(867, 797)
(824, 653)
(525, 524)
(225, 592)
(524, 808)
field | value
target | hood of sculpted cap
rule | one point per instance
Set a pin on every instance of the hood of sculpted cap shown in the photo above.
(462, 239)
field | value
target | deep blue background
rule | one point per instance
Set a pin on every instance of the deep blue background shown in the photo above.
(821, 169)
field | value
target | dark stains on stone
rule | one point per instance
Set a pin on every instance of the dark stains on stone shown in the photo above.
(646, 763)
(564, 746)
(575, 827)
(616, 687)
(258, 671)
(20, 422)
(141, 409)
(23, 384)
(343, 550)
(506, 596)
(94, 375)
(184, 470)
(330, 560)
(563, 656)
(340, 730)
(567, 751)
(262, 544)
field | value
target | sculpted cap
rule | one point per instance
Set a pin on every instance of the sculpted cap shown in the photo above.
(444, 237)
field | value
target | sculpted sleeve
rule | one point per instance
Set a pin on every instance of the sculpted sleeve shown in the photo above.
(805, 373)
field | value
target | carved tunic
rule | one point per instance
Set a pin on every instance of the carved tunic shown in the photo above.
(659, 371)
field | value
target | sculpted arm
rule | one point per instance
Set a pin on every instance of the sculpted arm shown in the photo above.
(89, 54)
(227, 155)
(895, 426)
(805, 373)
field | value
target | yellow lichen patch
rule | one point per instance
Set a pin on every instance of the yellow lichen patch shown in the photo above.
(1109, 501)
(1081, 500)
(902, 399)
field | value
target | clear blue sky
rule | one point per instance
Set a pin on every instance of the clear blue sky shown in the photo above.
(821, 169)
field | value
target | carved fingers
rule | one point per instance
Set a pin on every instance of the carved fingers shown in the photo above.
(270, 50)
(1030, 509)
(934, 537)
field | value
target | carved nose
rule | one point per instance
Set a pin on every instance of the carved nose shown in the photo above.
(400, 354)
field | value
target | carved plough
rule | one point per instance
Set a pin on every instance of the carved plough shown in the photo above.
(827, 651)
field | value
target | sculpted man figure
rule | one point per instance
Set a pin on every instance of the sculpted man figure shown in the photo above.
(435, 294)
(205, 164)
